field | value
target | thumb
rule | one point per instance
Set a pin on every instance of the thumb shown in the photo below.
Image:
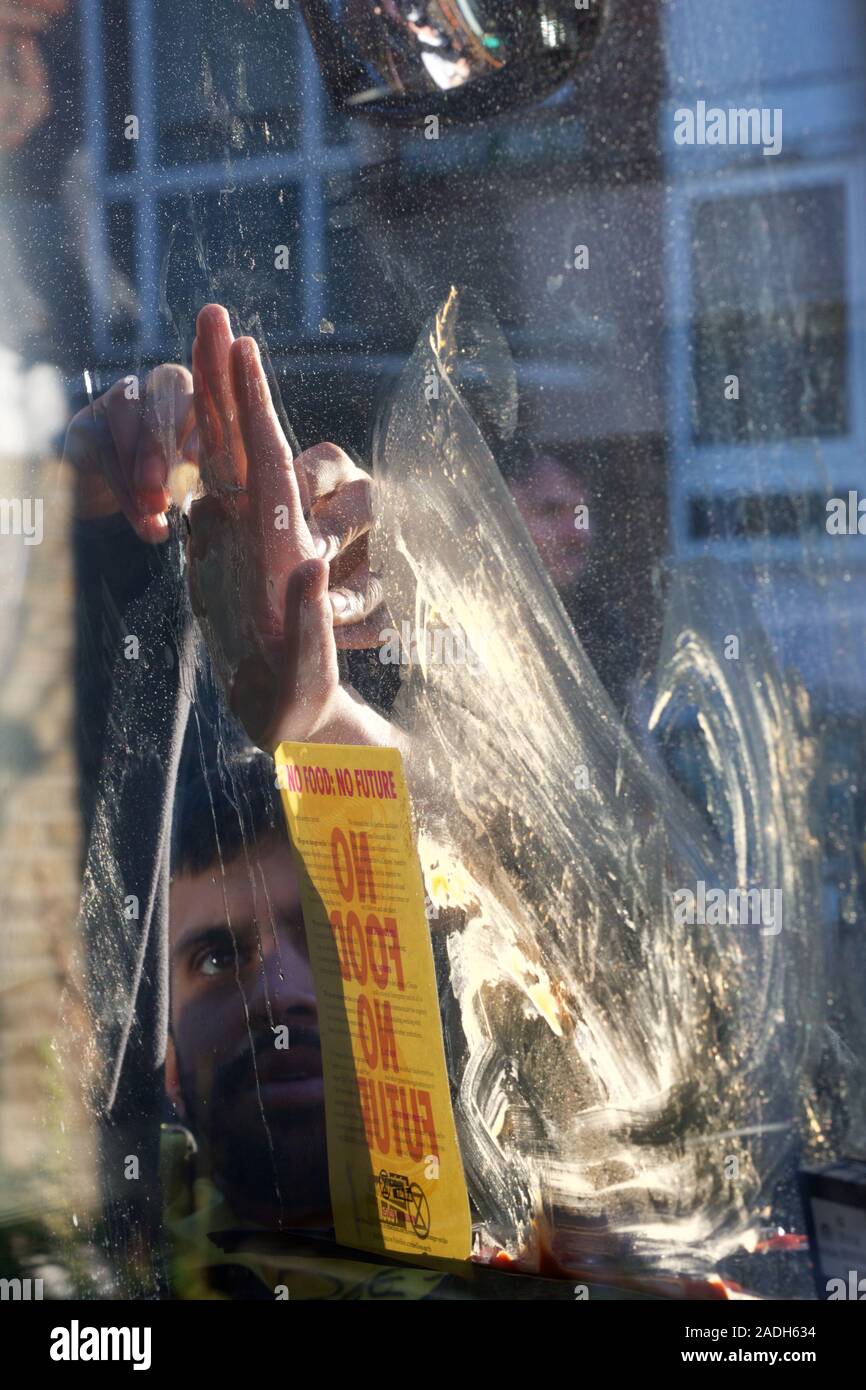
(289, 696)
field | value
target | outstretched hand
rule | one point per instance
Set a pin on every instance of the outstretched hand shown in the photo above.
(278, 551)
(266, 542)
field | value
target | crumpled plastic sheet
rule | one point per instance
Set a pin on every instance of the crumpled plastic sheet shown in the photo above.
(616, 1071)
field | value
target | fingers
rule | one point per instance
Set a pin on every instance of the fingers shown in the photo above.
(101, 483)
(298, 515)
(326, 467)
(166, 425)
(123, 446)
(223, 462)
(339, 520)
(276, 510)
(355, 593)
(365, 634)
(310, 675)
(340, 498)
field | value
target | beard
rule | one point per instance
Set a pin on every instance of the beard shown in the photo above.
(271, 1164)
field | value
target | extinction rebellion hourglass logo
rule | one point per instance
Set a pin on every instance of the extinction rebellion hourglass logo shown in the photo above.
(402, 1204)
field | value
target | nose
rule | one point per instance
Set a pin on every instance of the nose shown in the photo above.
(282, 990)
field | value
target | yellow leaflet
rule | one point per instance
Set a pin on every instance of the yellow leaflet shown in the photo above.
(394, 1166)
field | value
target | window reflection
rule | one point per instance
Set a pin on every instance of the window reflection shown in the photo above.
(781, 309)
(685, 322)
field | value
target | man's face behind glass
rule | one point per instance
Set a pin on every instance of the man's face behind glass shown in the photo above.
(241, 977)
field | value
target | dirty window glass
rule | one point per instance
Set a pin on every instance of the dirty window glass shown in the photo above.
(784, 312)
(574, 296)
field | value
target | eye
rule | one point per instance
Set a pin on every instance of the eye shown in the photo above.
(213, 962)
(214, 959)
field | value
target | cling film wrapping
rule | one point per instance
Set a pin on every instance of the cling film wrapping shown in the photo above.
(395, 1172)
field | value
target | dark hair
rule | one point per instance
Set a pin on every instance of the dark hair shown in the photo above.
(224, 809)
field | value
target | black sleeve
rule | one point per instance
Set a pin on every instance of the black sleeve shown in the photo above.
(113, 569)
(135, 679)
